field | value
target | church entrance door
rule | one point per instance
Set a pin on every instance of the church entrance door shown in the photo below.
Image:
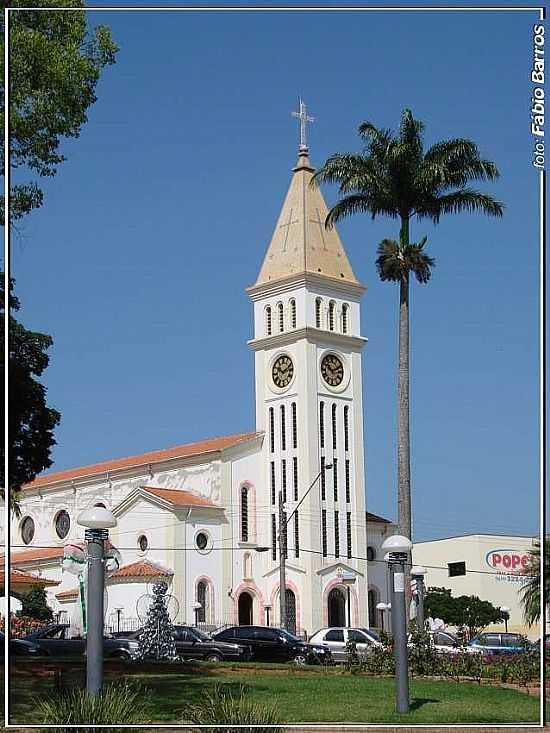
(336, 608)
(245, 609)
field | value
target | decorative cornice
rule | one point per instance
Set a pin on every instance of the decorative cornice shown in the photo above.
(319, 283)
(315, 335)
(330, 568)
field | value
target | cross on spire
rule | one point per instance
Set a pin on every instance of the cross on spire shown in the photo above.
(304, 119)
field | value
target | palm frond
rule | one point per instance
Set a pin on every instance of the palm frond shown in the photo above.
(348, 206)
(467, 199)
(395, 262)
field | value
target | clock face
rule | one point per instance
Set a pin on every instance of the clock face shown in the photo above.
(332, 370)
(282, 372)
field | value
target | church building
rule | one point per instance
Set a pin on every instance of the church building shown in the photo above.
(205, 516)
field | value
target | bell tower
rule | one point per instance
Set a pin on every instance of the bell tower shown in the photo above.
(307, 344)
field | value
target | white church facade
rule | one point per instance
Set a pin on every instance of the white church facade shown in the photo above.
(204, 516)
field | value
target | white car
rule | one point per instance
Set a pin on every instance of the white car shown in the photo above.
(442, 641)
(336, 638)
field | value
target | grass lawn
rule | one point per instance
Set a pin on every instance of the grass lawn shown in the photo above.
(312, 696)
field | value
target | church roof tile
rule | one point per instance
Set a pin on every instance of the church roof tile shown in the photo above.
(212, 445)
(142, 569)
(179, 497)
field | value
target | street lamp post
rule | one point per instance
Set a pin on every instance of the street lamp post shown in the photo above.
(348, 579)
(397, 549)
(384, 607)
(417, 573)
(283, 524)
(97, 521)
(506, 614)
(196, 606)
(267, 607)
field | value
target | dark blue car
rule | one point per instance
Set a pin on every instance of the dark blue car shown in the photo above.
(490, 643)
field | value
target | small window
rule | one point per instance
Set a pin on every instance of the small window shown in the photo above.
(244, 514)
(335, 635)
(348, 532)
(281, 317)
(202, 593)
(324, 532)
(318, 313)
(334, 426)
(283, 478)
(456, 568)
(371, 553)
(323, 480)
(322, 424)
(27, 530)
(336, 535)
(268, 327)
(201, 541)
(296, 535)
(62, 524)
(272, 479)
(346, 427)
(101, 504)
(331, 312)
(273, 537)
(271, 430)
(294, 426)
(345, 309)
(143, 543)
(283, 428)
(293, 313)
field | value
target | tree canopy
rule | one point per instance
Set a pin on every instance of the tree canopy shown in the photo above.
(469, 611)
(55, 63)
(30, 421)
(530, 592)
(34, 604)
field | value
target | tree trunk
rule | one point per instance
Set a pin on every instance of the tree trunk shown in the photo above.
(403, 434)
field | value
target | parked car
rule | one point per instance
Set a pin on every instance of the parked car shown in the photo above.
(442, 641)
(19, 647)
(336, 638)
(192, 643)
(270, 644)
(490, 643)
(53, 641)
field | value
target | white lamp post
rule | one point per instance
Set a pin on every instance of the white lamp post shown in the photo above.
(382, 607)
(196, 606)
(506, 613)
(97, 520)
(398, 548)
(417, 573)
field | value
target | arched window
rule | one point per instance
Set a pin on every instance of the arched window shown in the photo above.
(345, 318)
(318, 313)
(244, 514)
(283, 428)
(281, 317)
(268, 320)
(272, 430)
(331, 311)
(203, 599)
(293, 313)
(294, 426)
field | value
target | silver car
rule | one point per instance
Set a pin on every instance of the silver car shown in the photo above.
(337, 637)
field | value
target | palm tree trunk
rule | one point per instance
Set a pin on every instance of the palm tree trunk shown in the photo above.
(403, 435)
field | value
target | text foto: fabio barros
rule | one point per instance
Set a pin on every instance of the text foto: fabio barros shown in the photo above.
(537, 99)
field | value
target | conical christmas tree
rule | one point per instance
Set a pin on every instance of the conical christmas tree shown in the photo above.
(156, 641)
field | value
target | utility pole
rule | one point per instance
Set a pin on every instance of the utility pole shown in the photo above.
(282, 563)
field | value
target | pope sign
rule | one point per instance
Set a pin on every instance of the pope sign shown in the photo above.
(510, 565)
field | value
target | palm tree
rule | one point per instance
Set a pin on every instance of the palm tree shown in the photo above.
(530, 592)
(396, 177)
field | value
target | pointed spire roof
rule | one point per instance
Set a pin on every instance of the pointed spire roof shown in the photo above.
(300, 243)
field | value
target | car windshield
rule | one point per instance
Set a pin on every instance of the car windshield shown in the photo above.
(288, 635)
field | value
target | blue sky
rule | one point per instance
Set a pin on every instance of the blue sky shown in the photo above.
(138, 260)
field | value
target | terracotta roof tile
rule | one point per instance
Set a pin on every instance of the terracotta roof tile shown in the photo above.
(142, 569)
(179, 497)
(67, 594)
(18, 577)
(211, 445)
(32, 555)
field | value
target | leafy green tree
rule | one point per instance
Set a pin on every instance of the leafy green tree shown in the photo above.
(468, 611)
(396, 177)
(34, 605)
(30, 421)
(55, 65)
(530, 592)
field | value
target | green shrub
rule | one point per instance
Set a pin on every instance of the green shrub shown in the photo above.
(117, 704)
(229, 705)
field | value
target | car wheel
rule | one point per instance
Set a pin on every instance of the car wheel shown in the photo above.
(121, 654)
(300, 659)
(214, 657)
